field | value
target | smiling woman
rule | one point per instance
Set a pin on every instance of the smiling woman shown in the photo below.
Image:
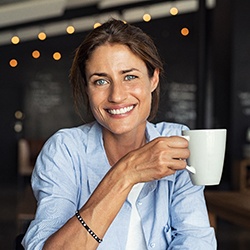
(141, 46)
(118, 181)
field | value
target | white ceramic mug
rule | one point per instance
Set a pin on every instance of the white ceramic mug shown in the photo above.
(207, 152)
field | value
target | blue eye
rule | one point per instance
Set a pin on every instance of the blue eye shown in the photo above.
(101, 82)
(130, 77)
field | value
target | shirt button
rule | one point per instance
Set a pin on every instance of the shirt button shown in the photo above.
(152, 244)
(139, 203)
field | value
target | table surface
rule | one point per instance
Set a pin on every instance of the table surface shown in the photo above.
(231, 206)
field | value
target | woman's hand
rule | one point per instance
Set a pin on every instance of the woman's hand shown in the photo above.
(155, 160)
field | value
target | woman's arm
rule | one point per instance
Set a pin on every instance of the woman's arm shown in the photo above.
(190, 223)
(98, 213)
(155, 160)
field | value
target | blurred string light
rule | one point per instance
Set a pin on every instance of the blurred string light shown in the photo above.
(19, 115)
(36, 54)
(80, 24)
(18, 127)
(185, 31)
(146, 17)
(42, 36)
(57, 56)
(70, 29)
(97, 24)
(13, 63)
(15, 40)
(173, 11)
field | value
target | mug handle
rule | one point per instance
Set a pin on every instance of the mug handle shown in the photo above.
(190, 169)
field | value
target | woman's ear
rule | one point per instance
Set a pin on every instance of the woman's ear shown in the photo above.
(155, 79)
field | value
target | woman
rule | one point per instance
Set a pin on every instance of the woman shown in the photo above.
(123, 175)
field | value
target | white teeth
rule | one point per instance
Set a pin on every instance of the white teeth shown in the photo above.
(120, 111)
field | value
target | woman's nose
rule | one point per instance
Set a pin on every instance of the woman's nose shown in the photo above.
(117, 93)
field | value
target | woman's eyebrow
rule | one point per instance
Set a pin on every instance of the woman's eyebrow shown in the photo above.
(98, 74)
(129, 70)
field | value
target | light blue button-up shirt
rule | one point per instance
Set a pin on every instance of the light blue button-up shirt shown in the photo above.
(73, 162)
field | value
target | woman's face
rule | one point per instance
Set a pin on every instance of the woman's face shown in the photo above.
(119, 88)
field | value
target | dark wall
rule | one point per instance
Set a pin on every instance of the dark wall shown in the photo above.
(240, 94)
(240, 73)
(221, 58)
(9, 101)
(231, 61)
(40, 89)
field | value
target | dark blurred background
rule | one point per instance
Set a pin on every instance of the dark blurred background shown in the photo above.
(206, 50)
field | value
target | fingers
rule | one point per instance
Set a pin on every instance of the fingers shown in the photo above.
(174, 147)
(172, 152)
(178, 153)
(176, 142)
(177, 164)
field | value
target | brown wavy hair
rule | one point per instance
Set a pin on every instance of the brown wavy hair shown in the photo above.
(114, 31)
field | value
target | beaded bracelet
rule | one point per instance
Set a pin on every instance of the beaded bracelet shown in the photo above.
(78, 216)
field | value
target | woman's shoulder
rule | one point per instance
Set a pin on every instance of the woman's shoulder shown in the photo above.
(72, 135)
(80, 130)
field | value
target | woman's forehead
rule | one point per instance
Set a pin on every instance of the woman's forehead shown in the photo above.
(116, 56)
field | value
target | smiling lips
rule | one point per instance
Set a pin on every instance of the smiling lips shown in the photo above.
(120, 111)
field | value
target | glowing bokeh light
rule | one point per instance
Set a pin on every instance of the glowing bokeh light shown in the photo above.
(57, 56)
(42, 36)
(15, 39)
(19, 115)
(18, 127)
(36, 54)
(185, 31)
(97, 25)
(146, 17)
(70, 29)
(13, 63)
(173, 11)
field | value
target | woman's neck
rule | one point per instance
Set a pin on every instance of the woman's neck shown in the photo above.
(117, 146)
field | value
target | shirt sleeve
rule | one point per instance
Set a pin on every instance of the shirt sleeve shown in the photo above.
(54, 182)
(190, 223)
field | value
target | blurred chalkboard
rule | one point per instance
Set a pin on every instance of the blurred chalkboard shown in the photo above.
(244, 98)
(178, 103)
(48, 105)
